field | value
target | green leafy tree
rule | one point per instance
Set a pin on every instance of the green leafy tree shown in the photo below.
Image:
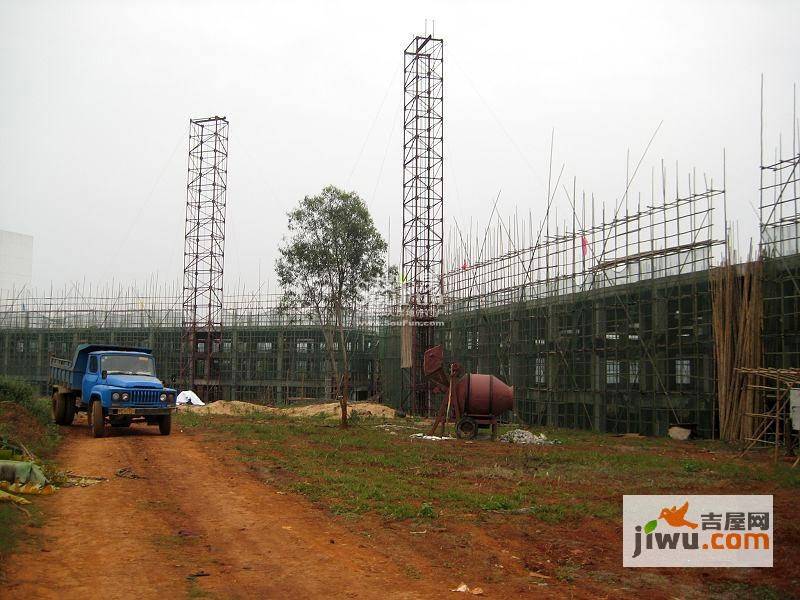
(330, 258)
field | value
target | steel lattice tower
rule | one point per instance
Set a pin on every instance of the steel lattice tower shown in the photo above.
(423, 203)
(203, 255)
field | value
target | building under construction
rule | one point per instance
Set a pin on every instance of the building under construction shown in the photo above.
(609, 326)
(628, 317)
(269, 353)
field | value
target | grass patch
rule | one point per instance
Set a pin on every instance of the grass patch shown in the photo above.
(567, 573)
(188, 419)
(412, 572)
(12, 521)
(9, 519)
(195, 591)
(170, 541)
(732, 590)
(366, 469)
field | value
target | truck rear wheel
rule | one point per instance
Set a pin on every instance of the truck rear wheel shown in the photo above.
(57, 408)
(96, 420)
(69, 409)
(165, 424)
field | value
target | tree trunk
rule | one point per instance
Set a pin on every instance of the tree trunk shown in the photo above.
(327, 333)
(345, 369)
(332, 358)
(343, 401)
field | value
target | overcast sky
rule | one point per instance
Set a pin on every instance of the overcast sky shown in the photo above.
(95, 99)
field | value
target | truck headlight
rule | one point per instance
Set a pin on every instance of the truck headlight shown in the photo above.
(115, 396)
(124, 396)
(163, 397)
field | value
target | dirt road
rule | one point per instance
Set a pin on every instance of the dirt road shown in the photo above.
(191, 524)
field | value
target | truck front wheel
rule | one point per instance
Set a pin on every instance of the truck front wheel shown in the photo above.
(96, 420)
(165, 424)
(57, 408)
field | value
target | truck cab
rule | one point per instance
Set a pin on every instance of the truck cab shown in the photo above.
(117, 384)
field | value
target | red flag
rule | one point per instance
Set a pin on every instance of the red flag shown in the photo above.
(584, 245)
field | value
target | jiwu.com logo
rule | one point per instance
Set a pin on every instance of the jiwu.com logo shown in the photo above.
(697, 531)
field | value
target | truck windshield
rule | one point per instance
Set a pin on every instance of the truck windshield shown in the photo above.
(128, 364)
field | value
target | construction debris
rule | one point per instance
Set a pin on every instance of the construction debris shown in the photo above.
(22, 477)
(189, 397)
(128, 473)
(393, 426)
(21, 472)
(73, 480)
(521, 436)
(433, 438)
(464, 588)
(679, 433)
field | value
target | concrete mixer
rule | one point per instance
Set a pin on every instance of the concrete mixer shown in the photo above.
(476, 399)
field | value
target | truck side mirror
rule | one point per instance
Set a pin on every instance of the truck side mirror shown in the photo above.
(104, 374)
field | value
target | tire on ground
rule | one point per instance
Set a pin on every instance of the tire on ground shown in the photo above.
(165, 424)
(466, 428)
(96, 419)
(57, 408)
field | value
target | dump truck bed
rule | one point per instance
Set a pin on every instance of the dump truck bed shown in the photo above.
(69, 374)
(61, 372)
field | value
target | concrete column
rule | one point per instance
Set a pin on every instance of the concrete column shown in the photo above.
(599, 320)
(551, 366)
(279, 368)
(6, 350)
(233, 357)
(598, 396)
(42, 366)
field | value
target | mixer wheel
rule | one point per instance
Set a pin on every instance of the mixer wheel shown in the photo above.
(466, 428)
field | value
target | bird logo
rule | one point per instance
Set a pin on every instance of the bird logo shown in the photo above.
(676, 517)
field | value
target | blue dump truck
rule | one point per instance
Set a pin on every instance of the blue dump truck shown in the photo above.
(117, 383)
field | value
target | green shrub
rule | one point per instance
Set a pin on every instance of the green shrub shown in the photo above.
(426, 511)
(14, 390)
(691, 466)
(19, 392)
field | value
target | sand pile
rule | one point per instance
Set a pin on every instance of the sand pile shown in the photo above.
(365, 409)
(227, 407)
(331, 409)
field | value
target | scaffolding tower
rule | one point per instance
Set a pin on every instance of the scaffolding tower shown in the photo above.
(203, 256)
(423, 203)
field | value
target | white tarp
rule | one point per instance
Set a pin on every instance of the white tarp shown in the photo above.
(189, 397)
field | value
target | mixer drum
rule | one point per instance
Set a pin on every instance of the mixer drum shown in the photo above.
(479, 394)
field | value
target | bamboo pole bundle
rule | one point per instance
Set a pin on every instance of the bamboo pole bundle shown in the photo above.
(737, 310)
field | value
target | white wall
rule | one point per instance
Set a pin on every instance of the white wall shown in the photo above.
(16, 261)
